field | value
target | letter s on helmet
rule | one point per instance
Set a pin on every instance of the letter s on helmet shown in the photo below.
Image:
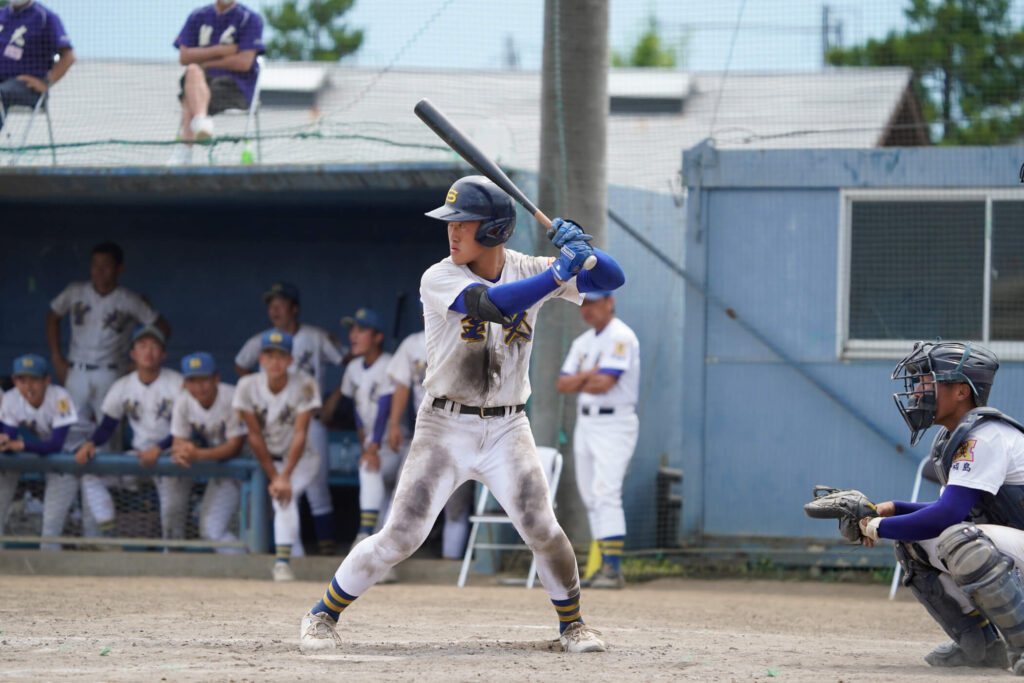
(475, 198)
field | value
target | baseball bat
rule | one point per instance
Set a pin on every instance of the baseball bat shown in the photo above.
(467, 149)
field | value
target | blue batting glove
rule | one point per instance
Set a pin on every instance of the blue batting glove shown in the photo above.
(570, 260)
(563, 231)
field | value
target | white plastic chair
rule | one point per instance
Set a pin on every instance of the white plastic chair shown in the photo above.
(551, 462)
(42, 105)
(252, 121)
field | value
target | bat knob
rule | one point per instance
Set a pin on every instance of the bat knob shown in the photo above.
(590, 262)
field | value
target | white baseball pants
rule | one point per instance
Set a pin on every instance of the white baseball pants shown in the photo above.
(603, 446)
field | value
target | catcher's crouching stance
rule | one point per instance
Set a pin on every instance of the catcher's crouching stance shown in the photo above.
(967, 574)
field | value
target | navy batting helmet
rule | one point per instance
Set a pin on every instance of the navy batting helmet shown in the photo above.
(475, 198)
(948, 362)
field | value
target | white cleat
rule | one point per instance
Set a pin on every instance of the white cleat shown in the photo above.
(202, 127)
(318, 633)
(283, 572)
(578, 637)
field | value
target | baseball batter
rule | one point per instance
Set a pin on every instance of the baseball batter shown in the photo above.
(480, 309)
(312, 349)
(35, 416)
(204, 426)
(276, 407)
(603, 365)
(145, 398)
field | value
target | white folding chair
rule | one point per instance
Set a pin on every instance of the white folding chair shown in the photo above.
(42, 105)
(252, 121)
(898, 571)
(551, 462)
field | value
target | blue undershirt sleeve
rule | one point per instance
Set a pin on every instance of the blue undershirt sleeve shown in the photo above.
(951, 508)
(102, 433)
(603, 277)
(383, 411)
(51, 445)
(905, 508)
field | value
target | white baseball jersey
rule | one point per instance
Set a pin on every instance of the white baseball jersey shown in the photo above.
(311, 348)
(475, 362)
(57, 410)
(101, 325)
(148, 407)
(616, 348)
(207, 427)
(276, 413)
(409, 365)
(365, 385)
(990, 456)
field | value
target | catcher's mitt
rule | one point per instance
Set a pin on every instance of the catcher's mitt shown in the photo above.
(846, 505)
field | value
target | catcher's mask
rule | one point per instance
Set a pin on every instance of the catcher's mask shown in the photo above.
(475, 198)
(940, 362)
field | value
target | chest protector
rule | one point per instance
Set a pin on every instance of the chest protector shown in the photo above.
(1006, 507)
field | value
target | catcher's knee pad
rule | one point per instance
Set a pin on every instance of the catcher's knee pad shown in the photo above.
(971, 632)
(988, 576)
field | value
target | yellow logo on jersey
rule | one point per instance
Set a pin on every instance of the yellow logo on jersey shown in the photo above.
(473, 330)
(194, 362)
(965, 452)
(519, 328)
(452, 196)
(63, 407)
(619, 350)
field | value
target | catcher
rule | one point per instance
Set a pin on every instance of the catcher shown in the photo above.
(962, 554)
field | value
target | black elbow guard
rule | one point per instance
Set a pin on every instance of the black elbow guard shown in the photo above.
(480, 306)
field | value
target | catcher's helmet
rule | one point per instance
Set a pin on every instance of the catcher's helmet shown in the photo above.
(948, 362)
(475, 198)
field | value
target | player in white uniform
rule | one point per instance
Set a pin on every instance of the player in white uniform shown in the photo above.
(480, 308)
(407, 370)
(312, 349)
(277, 407)
(145, 398)
(603, 365)
(966, 573)
(35, 416)
(205, 426)
(366, 382)
(102, 316)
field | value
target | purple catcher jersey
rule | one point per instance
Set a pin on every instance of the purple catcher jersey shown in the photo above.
(29, 39)
(239, 26)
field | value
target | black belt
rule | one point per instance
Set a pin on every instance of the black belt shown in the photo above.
(496, 411)
(89, 366)
(590, 410)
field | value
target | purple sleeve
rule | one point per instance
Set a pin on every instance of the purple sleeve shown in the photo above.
(52, 445)
(105, 429)
(951, 508)
(614, 372)
(905, 508)
(188, 37)
(359, 421)
(11, 432)
(166, 443)
(605, 276)
(383, 411)
(57, 33)
(250, 37)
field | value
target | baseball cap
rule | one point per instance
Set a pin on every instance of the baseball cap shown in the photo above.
(596, 296)
(198, 364)
(30, 364)
(285, 289)
(149, 331)
(276, 339)
(365, 317)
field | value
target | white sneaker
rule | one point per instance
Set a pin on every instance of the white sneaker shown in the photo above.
(283, 572)
(318, 633)
(202, 127)
(578, 637)
(181, 156)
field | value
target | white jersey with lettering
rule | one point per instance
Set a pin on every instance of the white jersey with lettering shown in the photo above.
(276, 413)
(409, 365)
(207, 427)
(101, 324)
(475, 362)
(365, 384)
(312, 348)
(57, 410)
(990, 456)
(148, 407)
(615, 349)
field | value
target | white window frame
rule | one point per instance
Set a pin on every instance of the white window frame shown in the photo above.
(881, 349)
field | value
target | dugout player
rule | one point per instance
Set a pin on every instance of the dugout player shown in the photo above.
(312, 349)
(603, 365)
(480, 308)
(277, 406)
(31, 35)
(204, 426)
(967, 574)
(35, 416)
(218, 46)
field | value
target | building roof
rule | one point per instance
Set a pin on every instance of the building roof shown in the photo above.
(108, 113)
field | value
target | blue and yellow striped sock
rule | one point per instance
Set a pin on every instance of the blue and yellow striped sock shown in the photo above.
(284, 552)
(368, 521)
(611, 551)
(568, 611)
(334, 601)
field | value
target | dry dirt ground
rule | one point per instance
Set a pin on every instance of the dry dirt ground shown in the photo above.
(132, 629)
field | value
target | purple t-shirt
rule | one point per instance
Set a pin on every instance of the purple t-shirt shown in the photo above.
(239, 25)
(29, 39)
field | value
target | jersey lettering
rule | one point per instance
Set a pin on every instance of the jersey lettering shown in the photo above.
(286, 416)
(518, 329)
(228, 37)
(305, 362)
(163, 409)
(205, 33)
(30, 426)
(18, 38)
(131, 410)
(473, 330)
(117, 321)
(78, 312)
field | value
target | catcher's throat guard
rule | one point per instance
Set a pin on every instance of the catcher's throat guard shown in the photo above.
(849, 506)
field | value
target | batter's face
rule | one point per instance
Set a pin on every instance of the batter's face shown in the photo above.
(283, 312)
(148, 354)
(363, 339)
(31, 388)
(598, 313)
(462, 244)
(104, 271)
(275, 362)
(203, 388)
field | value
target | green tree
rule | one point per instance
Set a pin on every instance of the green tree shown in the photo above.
(648, 50)
(311, 32)
(968, 67)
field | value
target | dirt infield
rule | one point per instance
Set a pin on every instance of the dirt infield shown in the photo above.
(128, 629)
